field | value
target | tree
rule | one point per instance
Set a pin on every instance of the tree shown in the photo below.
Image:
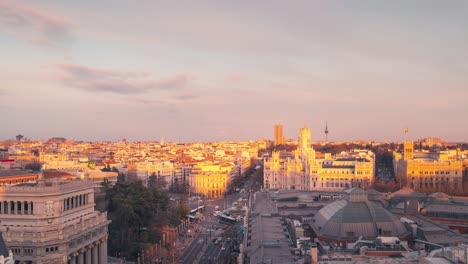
(34, 166)
(138, 214)
(156, 182)
(178, 186)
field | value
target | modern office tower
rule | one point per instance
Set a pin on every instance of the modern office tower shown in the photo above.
(279, 137)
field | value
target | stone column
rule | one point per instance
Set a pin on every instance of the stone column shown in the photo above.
(80, 258)
(88, 254)
(73, 258)
(95, 253)
(103, 252)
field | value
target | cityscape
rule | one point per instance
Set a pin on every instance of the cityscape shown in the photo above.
(222, 132)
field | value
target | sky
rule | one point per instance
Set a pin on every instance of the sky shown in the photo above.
(230, 70)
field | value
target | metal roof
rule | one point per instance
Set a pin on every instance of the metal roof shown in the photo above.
(344, 219)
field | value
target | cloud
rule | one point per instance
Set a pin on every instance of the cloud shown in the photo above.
(121, 82)
(186, 97)
(37, 26)
(236, 77)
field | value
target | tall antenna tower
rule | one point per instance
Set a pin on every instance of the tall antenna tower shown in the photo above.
(326, 131)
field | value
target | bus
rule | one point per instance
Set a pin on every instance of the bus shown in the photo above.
(197, 210)
(226, 219)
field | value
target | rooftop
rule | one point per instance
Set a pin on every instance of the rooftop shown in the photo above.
(355, 216)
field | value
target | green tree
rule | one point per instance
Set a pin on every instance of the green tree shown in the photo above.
(138, 214)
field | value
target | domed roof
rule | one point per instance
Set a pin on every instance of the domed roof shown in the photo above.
(356, 216)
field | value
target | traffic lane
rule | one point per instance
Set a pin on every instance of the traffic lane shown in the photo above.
(224, 253)
(188, 250)
(214, 254)
(190, 255)
(205, 258)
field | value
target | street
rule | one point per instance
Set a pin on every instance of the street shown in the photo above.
(217, 242)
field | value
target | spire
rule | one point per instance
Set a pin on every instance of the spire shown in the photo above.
(326, 131)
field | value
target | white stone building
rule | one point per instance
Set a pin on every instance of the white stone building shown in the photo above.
(303, 170)
(53, 221)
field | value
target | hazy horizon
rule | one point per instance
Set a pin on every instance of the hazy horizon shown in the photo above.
(229, 70)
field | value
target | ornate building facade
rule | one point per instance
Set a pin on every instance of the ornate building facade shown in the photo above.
(429, 172)
(53, 221)
(303, 170)
(210, 178)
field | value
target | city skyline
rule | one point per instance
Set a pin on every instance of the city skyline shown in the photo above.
(215, 71)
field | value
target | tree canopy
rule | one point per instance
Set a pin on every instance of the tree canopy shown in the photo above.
(138, 214)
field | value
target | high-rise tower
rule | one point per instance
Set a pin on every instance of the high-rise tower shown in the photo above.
(326, 131)
(278, 135)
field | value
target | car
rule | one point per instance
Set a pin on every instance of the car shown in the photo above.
(223, 248)
(237, 189)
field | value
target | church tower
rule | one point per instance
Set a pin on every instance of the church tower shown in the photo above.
(304, 147)
(408, 150)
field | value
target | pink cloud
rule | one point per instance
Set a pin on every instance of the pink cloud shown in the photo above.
(34, 25)
(115, 81)
(236, 77)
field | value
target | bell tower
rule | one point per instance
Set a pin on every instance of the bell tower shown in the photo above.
(408, 147)
(408, 150)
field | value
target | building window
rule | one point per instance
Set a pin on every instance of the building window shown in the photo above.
(28, 251)
(51, 249)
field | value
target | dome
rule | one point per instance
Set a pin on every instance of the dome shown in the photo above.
(355, 216)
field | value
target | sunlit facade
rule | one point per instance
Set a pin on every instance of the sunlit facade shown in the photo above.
(429, 172)
(278, 135)
(53, 221)
(210, 178)
(302, 170)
